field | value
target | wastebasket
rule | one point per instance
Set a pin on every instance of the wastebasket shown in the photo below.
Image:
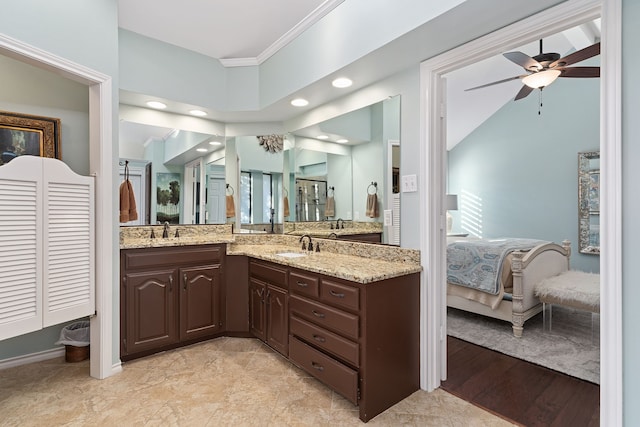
(75, 338)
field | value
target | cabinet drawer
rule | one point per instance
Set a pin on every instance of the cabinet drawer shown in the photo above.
(325, 316)
(269, 272)
(333, 343)
(154, 257)
(339, 377)
(340, 295)
(304, 284)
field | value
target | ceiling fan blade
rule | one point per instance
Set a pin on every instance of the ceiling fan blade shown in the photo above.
(577, 56)
(579, 71)
(495, 83)
(526, 90)
(525, 61)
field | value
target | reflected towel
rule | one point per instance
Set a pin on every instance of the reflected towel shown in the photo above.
(285, 202)
(372, 206)
(330, 207)
(231, 207)
(128, 211)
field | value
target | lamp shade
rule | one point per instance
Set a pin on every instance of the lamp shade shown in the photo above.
(452, 202)
(541, 79)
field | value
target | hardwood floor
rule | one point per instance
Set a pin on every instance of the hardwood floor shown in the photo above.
(519, 391)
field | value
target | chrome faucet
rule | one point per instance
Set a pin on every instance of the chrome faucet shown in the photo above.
(304, 246)
(339, 223)
(165, 230)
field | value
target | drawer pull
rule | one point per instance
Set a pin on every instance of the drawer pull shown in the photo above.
(317, 366)
(336, 294)
(319, 338)
(302, 284)
(318, 314)
(170, 283)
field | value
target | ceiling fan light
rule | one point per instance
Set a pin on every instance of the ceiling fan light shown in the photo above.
(541, 79)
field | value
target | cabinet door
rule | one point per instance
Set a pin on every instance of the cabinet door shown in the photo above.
(278, 319)
(150, 307)
(200, 301)
(257, 309)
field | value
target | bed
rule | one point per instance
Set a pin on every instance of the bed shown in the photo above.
(518, 268)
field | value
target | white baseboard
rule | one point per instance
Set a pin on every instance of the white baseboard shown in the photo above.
(116, 368)
(32, 358)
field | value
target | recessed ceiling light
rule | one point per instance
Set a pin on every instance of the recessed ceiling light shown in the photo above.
(215, 143)
(156, 104)
(198, 113)
(322, 137)
(342, 141)
(342, 82)
(202, 150)
(299, 102)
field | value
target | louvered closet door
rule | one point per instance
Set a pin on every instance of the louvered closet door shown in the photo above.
(20, 248)
(68, 245)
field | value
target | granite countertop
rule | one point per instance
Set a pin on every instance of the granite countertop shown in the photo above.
(159, 242)
(354, 261)
(349, 267)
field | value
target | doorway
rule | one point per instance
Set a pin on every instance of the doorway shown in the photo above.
(433, 134)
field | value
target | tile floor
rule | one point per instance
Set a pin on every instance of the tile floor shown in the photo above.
(222, 382)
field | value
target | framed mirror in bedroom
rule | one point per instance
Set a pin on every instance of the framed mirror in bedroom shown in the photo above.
(589, 202)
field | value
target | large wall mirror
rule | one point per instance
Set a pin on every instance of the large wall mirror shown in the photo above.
(178, 174)
(589, 202)
(344, 160)
(269, 188)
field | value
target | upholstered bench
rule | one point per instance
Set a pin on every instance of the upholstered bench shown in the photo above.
(573, 289)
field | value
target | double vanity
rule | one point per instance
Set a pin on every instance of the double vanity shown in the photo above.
(348, 314)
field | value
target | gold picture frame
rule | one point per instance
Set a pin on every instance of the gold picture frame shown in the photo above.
(25, 134)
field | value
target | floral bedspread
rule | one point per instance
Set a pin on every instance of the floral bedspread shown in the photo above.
(477, 264)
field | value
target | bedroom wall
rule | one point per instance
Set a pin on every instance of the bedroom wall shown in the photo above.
(521, 168)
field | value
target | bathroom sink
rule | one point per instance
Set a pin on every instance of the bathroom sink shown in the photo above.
(291, 254)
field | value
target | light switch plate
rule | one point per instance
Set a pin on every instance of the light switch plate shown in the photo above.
(409, 183)
(388, 217)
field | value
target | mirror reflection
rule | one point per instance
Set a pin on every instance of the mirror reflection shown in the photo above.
(589, 202)
(167, 168)
(316, 178)
(339, 166)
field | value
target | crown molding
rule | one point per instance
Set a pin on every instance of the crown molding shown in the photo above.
(302, 26)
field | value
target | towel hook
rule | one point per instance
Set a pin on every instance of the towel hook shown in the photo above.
(375, 187)
(332, 189)
(286, 192)
(230, 188)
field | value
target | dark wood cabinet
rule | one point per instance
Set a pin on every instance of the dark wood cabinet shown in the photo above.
(169, 297)
(362, 340)
(200, 301)
(269, 304)
(150, 313)
(364, 237)
(258, 309)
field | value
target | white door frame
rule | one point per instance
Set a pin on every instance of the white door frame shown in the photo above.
(432, 159)
(103, 167)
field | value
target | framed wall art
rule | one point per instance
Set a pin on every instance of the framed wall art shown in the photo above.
(24, 134)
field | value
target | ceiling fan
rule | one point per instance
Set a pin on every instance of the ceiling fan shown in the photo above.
(544, 68)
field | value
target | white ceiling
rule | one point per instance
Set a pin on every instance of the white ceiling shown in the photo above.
(246, 32)
(229, 30)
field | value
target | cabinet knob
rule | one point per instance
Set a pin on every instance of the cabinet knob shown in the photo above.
(319, 338)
